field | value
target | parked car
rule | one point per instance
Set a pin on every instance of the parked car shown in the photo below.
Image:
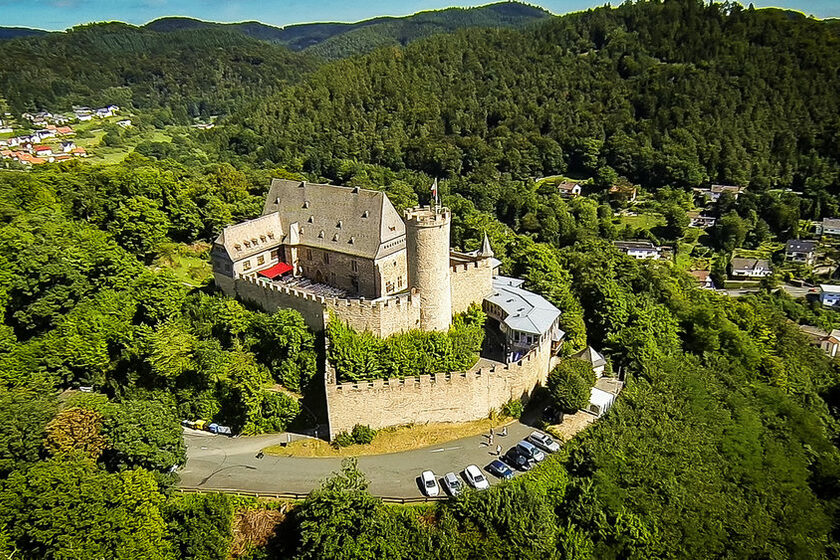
(188, 424)
(517, 460)
(544, 442)
(452, 484)
(429, 483)
(500, 470)
(529, 450)
(219, 429)
(476, 478)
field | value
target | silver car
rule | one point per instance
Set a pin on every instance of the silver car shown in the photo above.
(530, 450)
(452, 484)
(544, 442)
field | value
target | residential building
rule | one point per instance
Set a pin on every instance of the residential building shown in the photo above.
(593, 358)
(698, 220)
(801, 251)
(830, 295)
(750, 268)
(627, 192)
(831, 226)
(702, 279)
(639, 249)
(828, 342)
(569, 189)
(715, 191)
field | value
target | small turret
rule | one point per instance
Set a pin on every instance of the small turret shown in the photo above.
(486, 251)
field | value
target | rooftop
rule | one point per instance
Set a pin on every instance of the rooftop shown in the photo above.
(743, 263)
(635, 244)
(592, 356)
(800, 246)
(525, 311)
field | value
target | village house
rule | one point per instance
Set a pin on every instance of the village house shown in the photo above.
(714, 192)
(68, 146)
(830, 226)
(698, 220)
(125, 123)
(626, 192)
(42, 150)
(639, 249)
(800, 251)
(829, 294)
(750, 268)
(702, 279)
(569, 189)
(828, 342)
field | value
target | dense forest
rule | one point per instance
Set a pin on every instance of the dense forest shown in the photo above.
(724, 443)
(339, 40)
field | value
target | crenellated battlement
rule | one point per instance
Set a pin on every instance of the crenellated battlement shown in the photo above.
(398, 300)
(458, 396)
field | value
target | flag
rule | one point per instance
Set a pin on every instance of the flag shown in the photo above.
(435, 190)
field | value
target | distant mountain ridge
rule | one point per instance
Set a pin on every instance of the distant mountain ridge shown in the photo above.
(336, 40)
(15, 32)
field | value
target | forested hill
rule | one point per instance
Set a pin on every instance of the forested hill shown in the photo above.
(665, 93)
(186, 73)
(15, 32)
(336, 40)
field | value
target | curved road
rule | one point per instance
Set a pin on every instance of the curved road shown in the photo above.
(222, 463)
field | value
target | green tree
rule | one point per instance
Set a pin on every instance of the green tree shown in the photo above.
(76, 430)
(140, 226)
(144, 433)
(569, 385)
(200, 525)
(25, 416)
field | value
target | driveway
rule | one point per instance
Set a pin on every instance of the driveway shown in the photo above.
(222, 463)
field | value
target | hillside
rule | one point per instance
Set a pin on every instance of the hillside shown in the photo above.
(185, 73)
(735, 98)
(15, 32)
(336, 40)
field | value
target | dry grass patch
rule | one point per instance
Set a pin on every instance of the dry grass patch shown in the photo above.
(391, 440)
(253, 528)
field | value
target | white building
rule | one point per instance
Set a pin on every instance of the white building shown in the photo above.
(600, 402)
(831, 226)
(750, 268)
(829, 294)
(639, 249)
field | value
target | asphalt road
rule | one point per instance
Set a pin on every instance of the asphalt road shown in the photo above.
(794, 291)
(222, 463)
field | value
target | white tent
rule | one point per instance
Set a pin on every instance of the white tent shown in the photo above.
(600, 402)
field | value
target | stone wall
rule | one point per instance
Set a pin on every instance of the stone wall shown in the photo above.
(443, 397)
(427, 247)
(382, 317)
(470, 283)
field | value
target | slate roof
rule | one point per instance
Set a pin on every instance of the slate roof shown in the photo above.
(637, 245)
(525, 311)
(592, 356)
(740, 263)
(726, 188)
(800, 246)
(833, 223)
(254, 236)
(349, 220)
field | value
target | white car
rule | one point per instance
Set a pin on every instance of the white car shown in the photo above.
(476, 478)
(429, 483)
(544, 442)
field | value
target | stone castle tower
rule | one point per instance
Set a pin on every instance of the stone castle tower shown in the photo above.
(427, 245)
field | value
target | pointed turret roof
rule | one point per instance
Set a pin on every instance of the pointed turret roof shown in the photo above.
(592, 356)
(486, 250)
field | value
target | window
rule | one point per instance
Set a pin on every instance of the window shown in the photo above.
(309, 254)
(326, 258)
(354, 265)
(260, 260)
(227, 267)
(275, 253)
(399, 282)
(354, 282)
(246, 265)
(389, 287)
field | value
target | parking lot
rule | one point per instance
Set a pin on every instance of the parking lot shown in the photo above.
(222, 463)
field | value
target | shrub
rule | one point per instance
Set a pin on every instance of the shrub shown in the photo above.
(569, 385)
(513, 408)
(363, 434)
(343, 439)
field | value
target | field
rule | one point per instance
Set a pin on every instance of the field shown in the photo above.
(189, 263)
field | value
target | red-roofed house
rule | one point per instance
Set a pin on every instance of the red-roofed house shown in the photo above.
(42, 150)
(65, 130)
(79, 152)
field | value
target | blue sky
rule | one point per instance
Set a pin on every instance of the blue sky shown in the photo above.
(61, 14)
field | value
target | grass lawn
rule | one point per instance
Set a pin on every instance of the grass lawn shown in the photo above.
(189, 263)
(641, 221)
(390, 440)
(764, 251)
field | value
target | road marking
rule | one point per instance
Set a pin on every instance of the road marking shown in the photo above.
(442, 449)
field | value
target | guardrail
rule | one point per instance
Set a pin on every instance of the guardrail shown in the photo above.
(297, 496)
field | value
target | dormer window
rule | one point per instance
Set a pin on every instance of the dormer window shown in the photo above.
(247, 243)
(262, 238)
(392, 228)
(352, 241)
(238, 247)
(366, 214)
(338, 225)
(321, 234)
(277, 200)
(335, 237)
(311, 219)
(271, 235)
(306, 204)
(254, 240)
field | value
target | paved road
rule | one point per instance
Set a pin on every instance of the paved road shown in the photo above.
(221, 463)
(794, 291)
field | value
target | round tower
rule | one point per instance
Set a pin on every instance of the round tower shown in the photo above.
(427, 252)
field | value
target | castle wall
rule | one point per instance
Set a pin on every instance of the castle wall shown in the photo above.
(470, 283)
(392, 273)
(338, 269)
(443, 397)
(382, 317)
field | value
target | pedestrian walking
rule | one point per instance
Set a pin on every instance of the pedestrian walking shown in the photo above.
(498, 450)
(504, 432)
(490, 442)
(492, 433)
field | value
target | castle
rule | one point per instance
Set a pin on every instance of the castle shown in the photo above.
(327, 249)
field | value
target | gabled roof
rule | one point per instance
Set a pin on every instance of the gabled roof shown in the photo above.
(348, 220)
(726, 188)
(800, 246)
(831, 222)
(830, 288)
(525, 311)
(638, 245)
(254, 236)
(592, 356)
(742, 263)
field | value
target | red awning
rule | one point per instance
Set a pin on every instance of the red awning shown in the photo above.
(276, 270)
